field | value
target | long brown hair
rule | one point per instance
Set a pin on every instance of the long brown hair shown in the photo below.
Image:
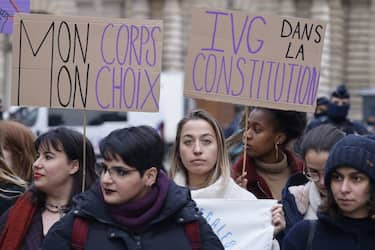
(19, 140)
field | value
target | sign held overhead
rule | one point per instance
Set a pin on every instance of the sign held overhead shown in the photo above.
(254, 60)
(86, 63)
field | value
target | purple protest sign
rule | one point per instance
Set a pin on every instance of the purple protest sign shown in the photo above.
(7, 10)
(254, 60)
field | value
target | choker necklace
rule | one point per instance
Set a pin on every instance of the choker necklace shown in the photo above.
(56, 209)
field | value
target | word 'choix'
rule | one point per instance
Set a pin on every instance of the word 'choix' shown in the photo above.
(127, 61)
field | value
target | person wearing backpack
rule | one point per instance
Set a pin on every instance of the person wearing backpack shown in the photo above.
(347, 217)
(134, 205)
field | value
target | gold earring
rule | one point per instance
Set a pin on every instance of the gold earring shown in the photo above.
(277, 151)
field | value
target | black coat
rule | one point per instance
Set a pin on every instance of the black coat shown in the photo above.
(164, 232)
(9, 196)
(343, 234)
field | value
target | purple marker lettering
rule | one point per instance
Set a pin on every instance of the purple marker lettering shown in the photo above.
(307, 68)
(297, 84)
(127, 80)
(242, 76)
(216, 13)
(269, 78)
(152, 64)
(260, 79)
(134, 34)
(223, 71)
(237, 46)
(110, 25)
(314, 86)
(277, 99)
(196, 88)
(151, 92)
(252, 76)
(209, 90)
(144, 39)
(97, 87)
(260, 42)
(290, 79)
(123, 41)
(138, 87)
(116, 87)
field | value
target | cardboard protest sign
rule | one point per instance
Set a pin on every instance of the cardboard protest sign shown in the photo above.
(7, 10)
(254, 60)
(240, 224)
(86, 63)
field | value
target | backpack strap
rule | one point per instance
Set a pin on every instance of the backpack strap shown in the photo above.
(312, 229)
(193, 233)
(79, 233)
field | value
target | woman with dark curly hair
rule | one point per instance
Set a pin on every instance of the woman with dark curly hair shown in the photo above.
(269, 163)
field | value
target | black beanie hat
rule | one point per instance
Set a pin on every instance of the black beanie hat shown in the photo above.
(353, 151)
(322, 101)
(341, 92)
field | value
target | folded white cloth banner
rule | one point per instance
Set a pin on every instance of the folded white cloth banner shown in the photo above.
(240, 224)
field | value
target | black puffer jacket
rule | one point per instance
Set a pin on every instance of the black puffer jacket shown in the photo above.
(164, 232)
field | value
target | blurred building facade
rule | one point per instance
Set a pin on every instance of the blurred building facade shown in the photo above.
(348, 54)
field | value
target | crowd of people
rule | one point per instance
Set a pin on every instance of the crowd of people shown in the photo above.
(55, 193)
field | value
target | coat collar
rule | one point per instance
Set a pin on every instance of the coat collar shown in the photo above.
(90, 205)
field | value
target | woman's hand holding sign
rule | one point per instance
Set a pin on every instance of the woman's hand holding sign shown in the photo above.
(278, 218)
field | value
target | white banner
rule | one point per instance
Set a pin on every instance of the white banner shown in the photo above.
(240, 224)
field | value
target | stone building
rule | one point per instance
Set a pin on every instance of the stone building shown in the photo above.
(348, 54)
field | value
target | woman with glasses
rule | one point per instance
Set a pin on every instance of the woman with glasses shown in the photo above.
(346, 219)
(134, 205)
(59, 173)
(304, 192)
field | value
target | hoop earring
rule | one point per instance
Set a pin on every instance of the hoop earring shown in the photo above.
(277, 151)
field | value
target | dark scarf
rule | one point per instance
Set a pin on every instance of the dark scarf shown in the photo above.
(18, 222)
(338, 113)
(135, 214)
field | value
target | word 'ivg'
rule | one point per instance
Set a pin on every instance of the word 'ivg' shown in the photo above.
(134, 45)
(69, 41)
(124, 84)
(245, 36)
(255, 79)
(220, 228)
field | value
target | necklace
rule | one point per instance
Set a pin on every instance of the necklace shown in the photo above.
(56, 209)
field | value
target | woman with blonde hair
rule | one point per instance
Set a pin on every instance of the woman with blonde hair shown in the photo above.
(18, 148)
(200, 161)
(197, 178)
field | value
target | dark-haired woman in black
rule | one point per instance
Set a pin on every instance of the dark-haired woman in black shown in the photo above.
(269, 162)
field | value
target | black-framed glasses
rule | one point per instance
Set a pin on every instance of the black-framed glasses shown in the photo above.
(115, 172)
(312, 175)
